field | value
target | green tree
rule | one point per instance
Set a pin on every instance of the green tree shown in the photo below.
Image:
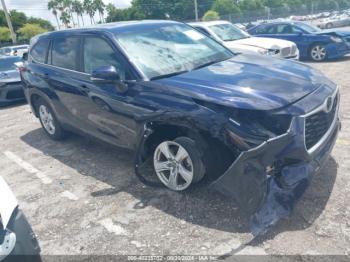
(18, 19)
(225, 7)
(5, 35)
(67, 5)
(43, 23)
(52, 5)
(78, 8)
(114, 14)
(211, 16)
(65, 18)
(30, 30)
(90, 9)
(100, 7)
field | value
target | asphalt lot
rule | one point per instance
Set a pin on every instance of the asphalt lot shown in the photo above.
(81, 197)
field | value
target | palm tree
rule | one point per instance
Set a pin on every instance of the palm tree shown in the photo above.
(90, 9)
(78, 8)
(100, 7)
(67, 5)
(65, 18)
(52, 5)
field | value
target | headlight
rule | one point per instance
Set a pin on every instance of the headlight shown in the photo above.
(336, 39)
(3, 76)
(268, 51)
(262, 51)
(261, 124)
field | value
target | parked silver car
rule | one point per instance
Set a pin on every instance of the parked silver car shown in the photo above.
(334, 21)
(10, 80)
(17, 50)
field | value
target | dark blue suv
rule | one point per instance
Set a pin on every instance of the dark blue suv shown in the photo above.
(190, 108)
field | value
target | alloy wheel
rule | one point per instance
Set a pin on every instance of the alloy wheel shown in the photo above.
(318, 53)
(47, 119)
(173, 165)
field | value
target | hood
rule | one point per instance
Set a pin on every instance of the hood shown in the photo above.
(10, 76)
(260, 42)
(249, 82)
(335, 32)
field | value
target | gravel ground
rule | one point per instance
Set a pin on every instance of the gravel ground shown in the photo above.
(82, 197)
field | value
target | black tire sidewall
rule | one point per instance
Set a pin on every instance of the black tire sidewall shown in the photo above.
(196, 157)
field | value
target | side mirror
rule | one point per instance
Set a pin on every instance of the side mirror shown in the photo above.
(106, 74)
(25, 56)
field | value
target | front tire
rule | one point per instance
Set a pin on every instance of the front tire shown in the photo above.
(49, 121)
(318, 53)
(178, 164)
(329, 26)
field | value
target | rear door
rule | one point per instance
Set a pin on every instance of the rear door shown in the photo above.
(284, 31)
(63, 76)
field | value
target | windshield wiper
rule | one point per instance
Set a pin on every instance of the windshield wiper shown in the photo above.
(168, 75)
(207, 64)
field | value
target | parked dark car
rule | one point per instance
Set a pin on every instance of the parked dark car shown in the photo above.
(187, 105)
(11, 89)
(313, 43)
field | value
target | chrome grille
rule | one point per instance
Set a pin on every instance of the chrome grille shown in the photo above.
(285, 51)
(317, 124)
(294, 50)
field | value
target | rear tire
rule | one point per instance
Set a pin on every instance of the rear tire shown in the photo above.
(49, 121)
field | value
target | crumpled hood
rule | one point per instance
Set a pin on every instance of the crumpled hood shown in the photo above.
(249, 82)
(335, 32)
(260, 42)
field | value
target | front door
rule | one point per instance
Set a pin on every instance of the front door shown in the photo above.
(108, 109)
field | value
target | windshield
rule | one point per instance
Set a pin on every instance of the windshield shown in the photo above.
(309, 28)
(228, 32)
(7, 64)
(172, 49)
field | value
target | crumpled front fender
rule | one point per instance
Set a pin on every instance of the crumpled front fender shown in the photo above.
(246, 179)
(269, 196)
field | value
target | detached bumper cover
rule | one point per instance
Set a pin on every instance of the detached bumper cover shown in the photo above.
(268, 198)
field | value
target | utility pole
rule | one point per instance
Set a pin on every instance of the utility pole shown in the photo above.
(8, 19)
(196, 9)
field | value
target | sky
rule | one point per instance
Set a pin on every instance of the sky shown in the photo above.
(38, 8)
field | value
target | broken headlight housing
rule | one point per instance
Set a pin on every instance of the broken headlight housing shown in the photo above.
(260, 125)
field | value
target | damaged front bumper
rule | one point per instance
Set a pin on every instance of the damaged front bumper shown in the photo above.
(266, 181)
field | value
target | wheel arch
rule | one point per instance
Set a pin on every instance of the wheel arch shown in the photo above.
(216, 154)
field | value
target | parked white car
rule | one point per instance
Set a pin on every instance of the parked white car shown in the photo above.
(240, 41)
(17, 240)
(17, 50)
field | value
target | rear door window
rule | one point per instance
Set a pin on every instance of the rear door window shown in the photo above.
(65, 52)
(39, 50)
(284, 29)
